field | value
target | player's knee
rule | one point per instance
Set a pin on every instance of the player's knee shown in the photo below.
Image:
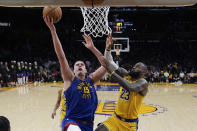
(101, 127)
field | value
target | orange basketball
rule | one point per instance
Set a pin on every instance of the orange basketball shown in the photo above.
(53, 12)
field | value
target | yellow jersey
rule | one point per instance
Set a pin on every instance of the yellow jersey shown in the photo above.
(63, 106)
(63, 101)
(129, 104)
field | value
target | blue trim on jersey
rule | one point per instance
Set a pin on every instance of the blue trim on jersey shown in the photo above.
(81, 100)
(136, 124)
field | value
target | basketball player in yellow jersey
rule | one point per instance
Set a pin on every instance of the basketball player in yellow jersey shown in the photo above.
(60, 100)
(131, 96)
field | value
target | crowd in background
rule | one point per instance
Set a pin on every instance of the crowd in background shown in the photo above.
(172, 73)
(16, 73)
(165, 40)
(19, 73)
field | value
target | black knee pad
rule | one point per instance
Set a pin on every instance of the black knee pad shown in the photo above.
(101, 127)
(99, 124)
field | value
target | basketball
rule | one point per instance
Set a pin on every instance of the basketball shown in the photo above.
(53, 12)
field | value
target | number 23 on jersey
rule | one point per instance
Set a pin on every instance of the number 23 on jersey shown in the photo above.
(125, 94)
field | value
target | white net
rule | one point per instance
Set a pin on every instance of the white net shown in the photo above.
(95, 21)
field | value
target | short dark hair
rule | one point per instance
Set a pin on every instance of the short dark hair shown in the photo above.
(4, 124)
(143, 66)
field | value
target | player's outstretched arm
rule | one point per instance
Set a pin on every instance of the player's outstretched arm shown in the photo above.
(107, 53)
(109, 58)
(100, 72)
(89, 44)
(57, 104)
(139, 86)
(64, 66)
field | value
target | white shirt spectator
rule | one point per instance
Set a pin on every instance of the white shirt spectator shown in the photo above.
(166, 74)
(181, 75)
(156, 74)
(191, 74)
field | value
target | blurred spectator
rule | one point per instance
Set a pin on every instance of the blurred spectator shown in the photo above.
(192, 76)
(174, 69)
(36, 74)
(162, 78)
(182, 75)
(170, 78)
(4, 74)
(1, 80)
(175, 78)
(166, 75)
(13, 73)
(156, 76)
(187, 78)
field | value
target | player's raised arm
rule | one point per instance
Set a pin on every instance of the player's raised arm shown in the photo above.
(64, 66)
(109, 59)
(108, 55)
(99, 73)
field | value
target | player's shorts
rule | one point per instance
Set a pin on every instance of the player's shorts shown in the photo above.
(115, 124)
(84, 127)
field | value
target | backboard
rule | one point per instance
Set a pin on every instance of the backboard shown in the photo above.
(122, 43)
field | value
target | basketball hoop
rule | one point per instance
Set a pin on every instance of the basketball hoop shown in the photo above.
(117, 51)
(95, 21)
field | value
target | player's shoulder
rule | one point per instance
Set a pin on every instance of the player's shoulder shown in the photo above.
(142, 81)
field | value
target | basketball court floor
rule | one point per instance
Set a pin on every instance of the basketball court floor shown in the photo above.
(166, 107)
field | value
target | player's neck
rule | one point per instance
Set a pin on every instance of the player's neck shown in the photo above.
(81, 77)
(137, 78)
(134, 79)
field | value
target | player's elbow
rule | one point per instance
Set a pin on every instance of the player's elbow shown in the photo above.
(134, 89)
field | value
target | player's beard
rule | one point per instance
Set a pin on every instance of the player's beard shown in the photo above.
(81, 74)
(134, 75)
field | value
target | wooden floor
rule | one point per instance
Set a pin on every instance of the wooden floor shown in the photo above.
(29, 108)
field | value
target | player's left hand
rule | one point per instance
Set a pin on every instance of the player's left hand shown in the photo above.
(109, 42)
(89, 43)
(53, 115)
(49, 23)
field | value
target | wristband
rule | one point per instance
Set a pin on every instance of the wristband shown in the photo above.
(108, 49)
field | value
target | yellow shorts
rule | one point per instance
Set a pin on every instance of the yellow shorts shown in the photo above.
(114, 124)
(63, 113)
